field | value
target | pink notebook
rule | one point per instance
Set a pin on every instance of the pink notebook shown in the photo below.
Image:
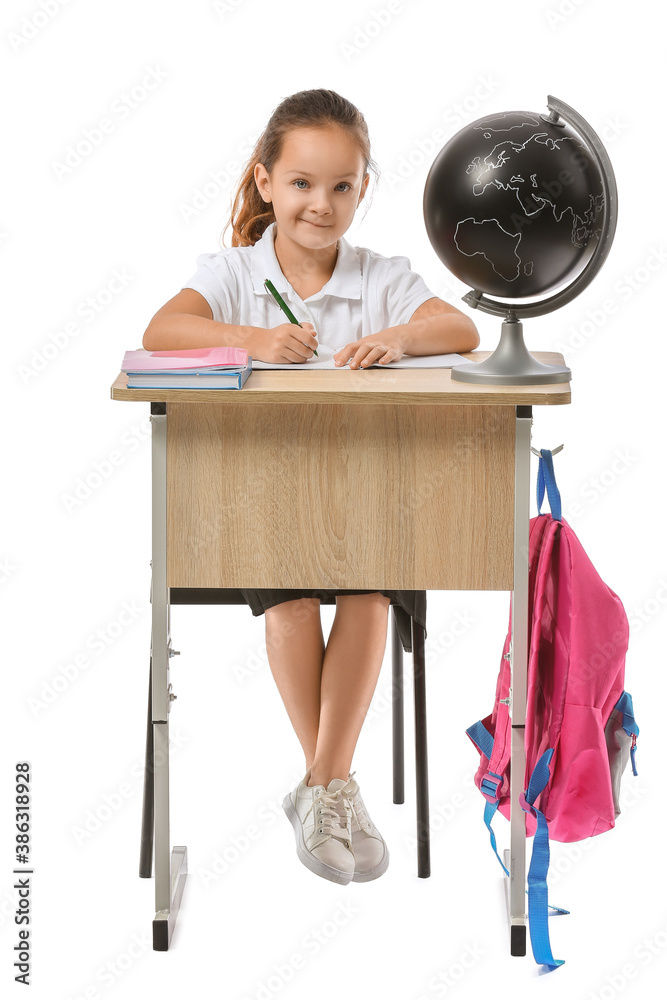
(199, 358)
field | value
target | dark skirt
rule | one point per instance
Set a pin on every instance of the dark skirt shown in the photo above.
(413, 603)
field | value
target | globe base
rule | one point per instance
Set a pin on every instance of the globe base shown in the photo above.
(511, 363)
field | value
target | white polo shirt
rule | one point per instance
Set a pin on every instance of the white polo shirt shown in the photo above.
(365, 294)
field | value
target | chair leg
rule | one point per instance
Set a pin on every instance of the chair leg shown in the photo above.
(146, 855)
(397, 721)
(421, 754)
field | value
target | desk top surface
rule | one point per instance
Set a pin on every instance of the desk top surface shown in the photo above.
(392, 385)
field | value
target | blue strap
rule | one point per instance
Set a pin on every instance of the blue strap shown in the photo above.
(624, 706)
(484, 742)
(490, 809)
(482, 738)
(546, 475)
(538, 904)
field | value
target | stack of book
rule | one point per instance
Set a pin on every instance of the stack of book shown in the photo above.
(200, 368)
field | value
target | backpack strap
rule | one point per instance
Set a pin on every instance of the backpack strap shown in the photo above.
(497, 749)
(624, 706)
(546, 476)
(491, 783)
(538, 905)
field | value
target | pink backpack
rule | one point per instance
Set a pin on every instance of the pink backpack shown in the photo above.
(580, 728)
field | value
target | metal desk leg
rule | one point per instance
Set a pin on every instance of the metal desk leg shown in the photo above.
(397, 723)
(170, 870)
(147, 819)
(423, 832)
(515, 858)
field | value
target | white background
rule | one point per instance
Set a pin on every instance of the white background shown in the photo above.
(416, 70)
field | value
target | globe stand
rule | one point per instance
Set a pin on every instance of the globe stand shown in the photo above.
(511, 363)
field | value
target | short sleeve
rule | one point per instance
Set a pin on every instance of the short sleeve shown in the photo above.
(215, 280)
(399, 291)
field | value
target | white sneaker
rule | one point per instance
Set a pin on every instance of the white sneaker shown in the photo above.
(321, 818)
(371, 856)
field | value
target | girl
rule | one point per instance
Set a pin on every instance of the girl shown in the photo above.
(297, 198)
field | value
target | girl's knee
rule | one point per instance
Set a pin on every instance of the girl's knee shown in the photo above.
(293, 609)
(375, 598)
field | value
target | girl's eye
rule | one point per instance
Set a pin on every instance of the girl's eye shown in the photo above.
(300, 180)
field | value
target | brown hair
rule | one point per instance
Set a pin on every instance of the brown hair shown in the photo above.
(250, 214)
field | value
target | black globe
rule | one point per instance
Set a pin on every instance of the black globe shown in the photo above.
(514, 205)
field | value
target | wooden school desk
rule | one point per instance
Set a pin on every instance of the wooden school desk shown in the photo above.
(374, 480)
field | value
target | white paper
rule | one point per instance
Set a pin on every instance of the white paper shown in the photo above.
(325, 360)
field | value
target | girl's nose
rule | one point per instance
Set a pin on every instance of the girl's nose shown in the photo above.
(320, 203)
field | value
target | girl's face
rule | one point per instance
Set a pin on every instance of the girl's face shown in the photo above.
(316, 185)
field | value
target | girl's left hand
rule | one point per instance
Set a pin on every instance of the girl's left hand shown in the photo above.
(378, 348)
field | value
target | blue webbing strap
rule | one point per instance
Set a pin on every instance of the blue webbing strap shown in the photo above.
(490, 810)
(538, 905)
(483, 740)
(546, 475)
(624, 706)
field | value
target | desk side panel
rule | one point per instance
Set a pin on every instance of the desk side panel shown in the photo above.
(340, 496)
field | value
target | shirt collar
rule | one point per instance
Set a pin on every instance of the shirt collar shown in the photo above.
(345, 282)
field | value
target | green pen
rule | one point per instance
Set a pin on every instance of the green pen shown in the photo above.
(283, 305)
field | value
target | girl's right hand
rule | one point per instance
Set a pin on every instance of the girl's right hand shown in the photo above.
(285, 343)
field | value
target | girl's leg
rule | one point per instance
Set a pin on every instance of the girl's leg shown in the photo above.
(350, 670)
(295, 648)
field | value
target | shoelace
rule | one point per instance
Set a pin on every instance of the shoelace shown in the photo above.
(357, 803)
(331, 817)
